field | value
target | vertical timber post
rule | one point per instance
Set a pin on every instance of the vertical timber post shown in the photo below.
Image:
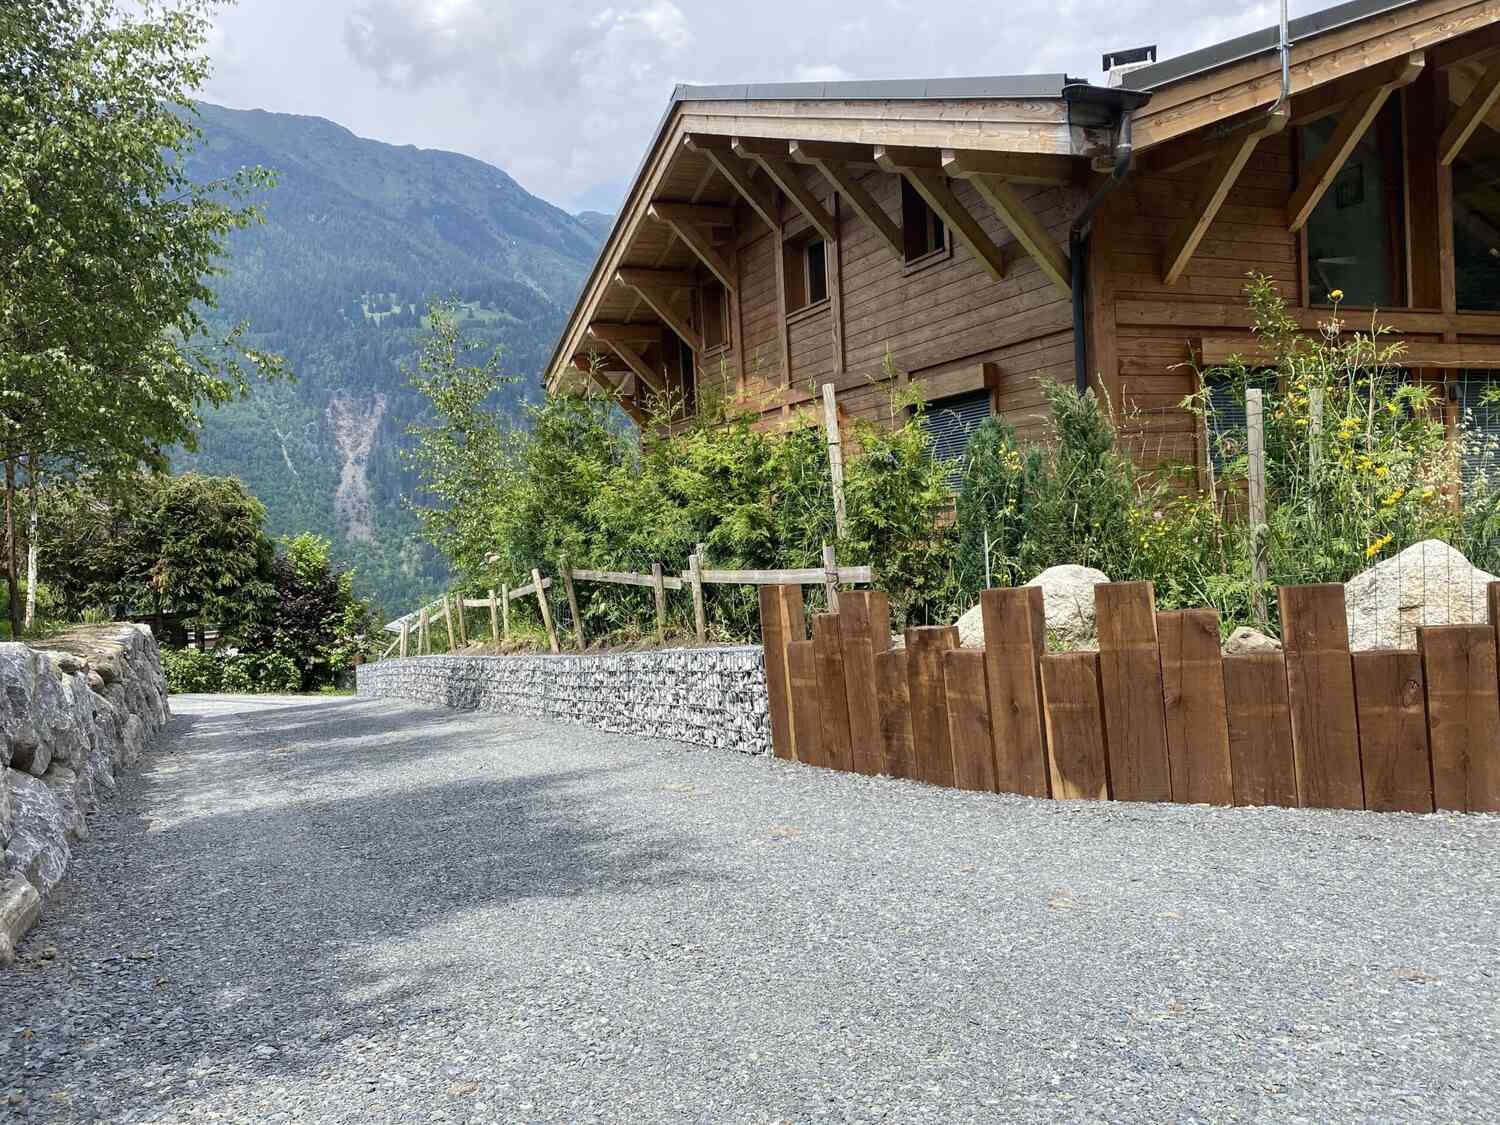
(659, 588)
(1255, 422)
(448, 621)
(424, 643)
(463, 628)
(565, 572)
(835, 457)
(405, 630)
(541, 601)
(494, 619)
(695, 570)
(505, 612)
(831, 577)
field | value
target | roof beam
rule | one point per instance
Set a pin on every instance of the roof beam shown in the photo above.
(772, 156)
(659, 300)
(1469, 116)
(704, 214)
(865, 205)
(686, 227)
(622, 346)
(662, 279)
(1028, 229)
(1226, 169)
(896, 158)
(1353, 124)
(616, 391)
(1017, 167)
(933, 187)
(841, 152)
(737, 172)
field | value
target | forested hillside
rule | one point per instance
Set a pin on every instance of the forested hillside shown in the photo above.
(358, 236)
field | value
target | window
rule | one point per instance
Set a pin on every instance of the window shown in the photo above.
(1480, 420)
(951, 422)
(922, 230)
(1355, 234)
(1476, 222)
(806, 261)
(714, 302)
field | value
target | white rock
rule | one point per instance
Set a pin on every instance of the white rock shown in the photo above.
(1245, 640)
(19, 907)
(1068, 597)
(971, 628)
(1429, 583)
(39, 848)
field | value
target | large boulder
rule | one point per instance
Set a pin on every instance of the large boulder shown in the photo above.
(39, 847)
(1068, 597)
(1246, 640)
(971, 628)
(1429, 583)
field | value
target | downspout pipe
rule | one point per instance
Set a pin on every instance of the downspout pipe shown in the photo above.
(1078, 243)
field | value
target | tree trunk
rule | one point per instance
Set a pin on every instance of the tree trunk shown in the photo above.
(31, 551)
(12, 579)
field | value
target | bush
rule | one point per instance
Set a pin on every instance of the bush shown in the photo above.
(191, 670)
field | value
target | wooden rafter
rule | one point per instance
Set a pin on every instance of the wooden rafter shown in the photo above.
(701, 214)
(772, 157)
(685, 227)
(932, 186)
(1015, 167)
(1023, 223)
(621, 344)
(1469, 116)
(659, 299)
(1353, 123)
(737, 171)
(842, 178)
(662, 279)
(621, 392)
(837, 152)
(1232, 158)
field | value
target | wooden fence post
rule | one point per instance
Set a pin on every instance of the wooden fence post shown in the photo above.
(1320, 694)
(1132, 693)
(463, 628)
(566, 573)
(505, 612)
(831, 577)
(1255, 423)
(835, 457)
(405, 628)
(494, 619)
(541, 601)
(658, 587)
(448, 621)
(695, 569)
(424, 642)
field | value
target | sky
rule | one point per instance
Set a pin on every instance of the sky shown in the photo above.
(564, 95)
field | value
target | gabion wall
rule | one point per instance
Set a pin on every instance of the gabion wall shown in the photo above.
(712, 697)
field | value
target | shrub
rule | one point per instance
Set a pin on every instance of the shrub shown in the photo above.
(191, 670)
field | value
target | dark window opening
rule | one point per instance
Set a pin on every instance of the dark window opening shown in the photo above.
(806, 265)
(1356, 234)
(687, 379)
(1227, 422)
(952, 422)
(1476, 219)
(715, 304)
(921, 228)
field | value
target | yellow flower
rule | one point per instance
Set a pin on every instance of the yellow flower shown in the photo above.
(1382, 471)
(1379, 545)
(1335, 294)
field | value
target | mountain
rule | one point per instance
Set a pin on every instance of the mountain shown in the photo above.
(358, 236)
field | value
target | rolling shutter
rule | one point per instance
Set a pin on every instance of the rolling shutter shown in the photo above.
(951, 421)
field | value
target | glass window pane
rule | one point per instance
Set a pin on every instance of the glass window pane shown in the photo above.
(817, 271)
(1476, 214)
(1354, 236)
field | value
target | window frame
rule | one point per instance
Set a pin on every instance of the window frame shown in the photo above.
(798, 297)
(942, 250)
(706, 290)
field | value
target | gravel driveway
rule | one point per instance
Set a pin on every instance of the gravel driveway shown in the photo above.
(352, 911)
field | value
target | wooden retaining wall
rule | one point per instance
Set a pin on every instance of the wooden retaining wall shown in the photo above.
(1158, 713)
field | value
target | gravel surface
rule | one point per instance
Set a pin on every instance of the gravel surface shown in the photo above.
(354, 911)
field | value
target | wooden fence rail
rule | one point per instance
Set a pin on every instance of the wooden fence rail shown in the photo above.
(1158, 713)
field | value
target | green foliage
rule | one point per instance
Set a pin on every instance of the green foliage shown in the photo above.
(996, 476)
(574, 480)
(313, 618)
(191, 547)
(459, 454)
(191, 671)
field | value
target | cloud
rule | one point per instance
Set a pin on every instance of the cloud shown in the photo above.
(822, 72)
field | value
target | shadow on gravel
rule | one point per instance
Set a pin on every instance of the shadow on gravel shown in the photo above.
(223, 951)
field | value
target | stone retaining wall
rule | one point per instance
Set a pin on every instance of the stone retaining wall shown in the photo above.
(713, 697)
(73, 710)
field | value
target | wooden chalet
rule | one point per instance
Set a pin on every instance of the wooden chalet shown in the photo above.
(975, 234)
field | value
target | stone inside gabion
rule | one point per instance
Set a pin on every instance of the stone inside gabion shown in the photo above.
(706, 697)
